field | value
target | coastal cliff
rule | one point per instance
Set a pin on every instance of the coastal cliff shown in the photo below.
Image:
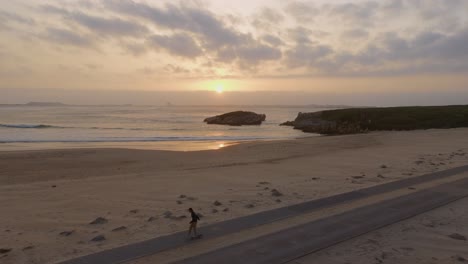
(360, 120)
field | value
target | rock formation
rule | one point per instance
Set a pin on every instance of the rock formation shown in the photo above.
(237, 118)
(315, 123)
(361, 120)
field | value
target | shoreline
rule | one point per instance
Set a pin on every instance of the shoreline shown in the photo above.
(48, 192)
(176, 146)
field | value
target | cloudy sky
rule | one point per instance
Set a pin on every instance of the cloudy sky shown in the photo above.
(328, 47)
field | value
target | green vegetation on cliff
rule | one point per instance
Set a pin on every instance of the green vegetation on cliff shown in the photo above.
(356, 120)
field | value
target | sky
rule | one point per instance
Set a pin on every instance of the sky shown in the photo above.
(386, 52)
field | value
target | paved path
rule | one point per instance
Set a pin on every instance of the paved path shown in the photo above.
(289, 244)
(153, 246)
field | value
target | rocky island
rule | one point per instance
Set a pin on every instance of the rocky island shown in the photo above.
(237, 118)
(359, 120)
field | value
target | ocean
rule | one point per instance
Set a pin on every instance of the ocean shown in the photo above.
(178, 128)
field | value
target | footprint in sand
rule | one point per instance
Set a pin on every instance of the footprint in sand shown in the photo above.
(99, 221)
(98, 238)
(120, 228)
(275, 192)
(67, 233)
(457, 236)
(5, 250)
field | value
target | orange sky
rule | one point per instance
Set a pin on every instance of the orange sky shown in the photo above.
(313, 46)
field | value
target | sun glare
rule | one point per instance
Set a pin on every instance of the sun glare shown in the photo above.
(219, 88)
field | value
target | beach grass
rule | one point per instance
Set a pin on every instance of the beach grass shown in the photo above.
(401, 118)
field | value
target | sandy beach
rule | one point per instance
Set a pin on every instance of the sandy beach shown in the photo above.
(50, 197)
(434, 237)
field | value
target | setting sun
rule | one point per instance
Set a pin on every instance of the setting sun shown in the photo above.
(219, 88)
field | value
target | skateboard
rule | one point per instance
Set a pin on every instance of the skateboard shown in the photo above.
(195, 238)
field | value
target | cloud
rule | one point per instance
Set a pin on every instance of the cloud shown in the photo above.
(427, 45)
(109, 26)
(272, 40)
(103, 26)
(356, 13)
(146, 71)
(452, 47)
(271, 15)
(92, 66)
(356, 33)
(433, 9)
(249, 54)
(199, 31)
(334, 38)
(171, 68)
(388, 53)
(302, 12)
(390, 40)
(134, 48)
(427, 38)
(267, 19)
(307, 55)
(190, 19)
(257, 53)
(204, 32)
(300, 34)
(226, 55)
(67, 37)
(179, 44)
(6, 17)
(52, 9)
